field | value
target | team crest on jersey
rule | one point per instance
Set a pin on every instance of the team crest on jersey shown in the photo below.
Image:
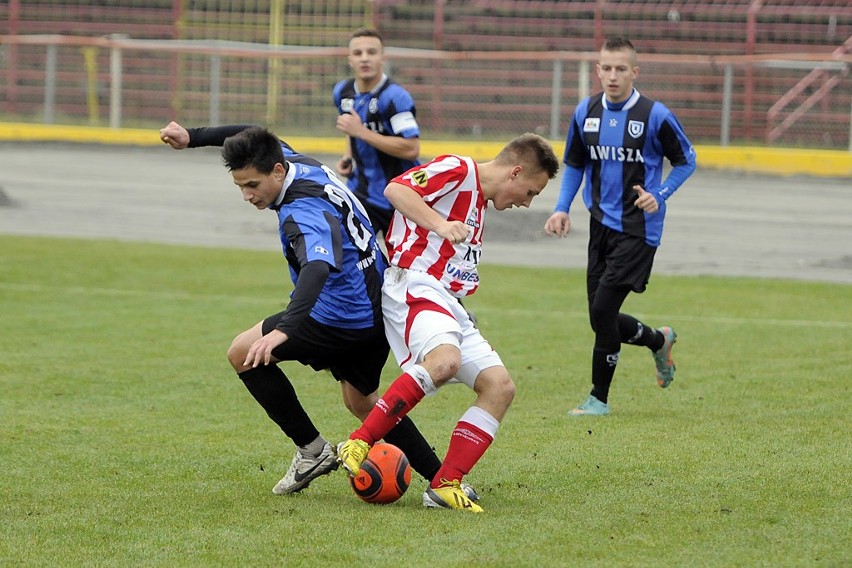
(374, 106)
(346, 105)
(420, 177)
(592, 125)
(321, 250)
(635, 128)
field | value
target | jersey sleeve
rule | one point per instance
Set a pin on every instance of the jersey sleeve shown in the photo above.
(315, 235)
(213, 135)
(403, 119)
(307, 289)
(435, 179)
(216, 136)
(575, 147)
(676, 146)
(335, 94)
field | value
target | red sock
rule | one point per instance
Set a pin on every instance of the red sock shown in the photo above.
(403, 395)
(467, 444)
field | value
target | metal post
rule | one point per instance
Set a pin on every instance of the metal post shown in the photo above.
(215, 76)
(850, 127)
(115, 83)
(556, 99)
(90, 57)
(727, 93)
(273, 76)
(50, 85)
(583, 87)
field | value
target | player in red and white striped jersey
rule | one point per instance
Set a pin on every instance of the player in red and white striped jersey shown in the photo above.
(434, 244)
(450, 186)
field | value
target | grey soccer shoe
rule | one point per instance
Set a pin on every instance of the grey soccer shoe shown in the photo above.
(304, 469)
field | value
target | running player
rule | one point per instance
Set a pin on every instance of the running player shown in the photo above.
(618, 140)
(378, 118)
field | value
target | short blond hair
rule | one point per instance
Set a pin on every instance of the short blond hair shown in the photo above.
(532, 151)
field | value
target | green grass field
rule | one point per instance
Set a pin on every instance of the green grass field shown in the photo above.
(128, 441)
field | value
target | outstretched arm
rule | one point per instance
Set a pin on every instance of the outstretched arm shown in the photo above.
(179, 137)
(175, 135)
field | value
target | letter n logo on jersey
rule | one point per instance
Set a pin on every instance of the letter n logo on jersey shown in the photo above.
(420, 177)
(635, 128)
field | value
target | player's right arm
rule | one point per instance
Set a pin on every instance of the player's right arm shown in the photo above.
(175, 135)
(559, 224)
(179, 137)
(411, 205)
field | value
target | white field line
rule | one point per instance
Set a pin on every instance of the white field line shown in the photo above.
(59, 291)
(65, 291)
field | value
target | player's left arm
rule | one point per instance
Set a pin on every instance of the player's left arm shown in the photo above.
(402, 139)
(316, 242)
(310, 283)
(679, 151)
(396, 146)
(306, 292)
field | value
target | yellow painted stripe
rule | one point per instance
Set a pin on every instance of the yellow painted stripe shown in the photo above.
(777, 161)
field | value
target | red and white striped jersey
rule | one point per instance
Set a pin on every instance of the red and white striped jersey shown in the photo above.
(449, 184)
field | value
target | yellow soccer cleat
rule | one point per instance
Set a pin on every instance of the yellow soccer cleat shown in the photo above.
(450, 495)
(351, 454)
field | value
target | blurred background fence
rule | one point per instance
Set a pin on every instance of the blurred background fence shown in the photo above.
(737, 71)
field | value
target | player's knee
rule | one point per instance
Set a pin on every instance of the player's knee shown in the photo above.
(442, 363)
(598, 316)
(497, 386)
(359, 408)
(237, 354)
(442, 370)
(506, 389)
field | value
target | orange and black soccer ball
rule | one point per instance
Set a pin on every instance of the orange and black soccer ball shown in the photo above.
(384, 475)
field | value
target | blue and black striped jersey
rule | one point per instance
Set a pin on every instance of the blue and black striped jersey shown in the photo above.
(621, 145)
(320, 219)
(389, 110)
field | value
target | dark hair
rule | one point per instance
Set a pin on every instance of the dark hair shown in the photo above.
(366, 32)
(533, 151)
(253, 147)
(616, 43)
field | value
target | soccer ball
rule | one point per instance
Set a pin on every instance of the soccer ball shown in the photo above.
(384, 475)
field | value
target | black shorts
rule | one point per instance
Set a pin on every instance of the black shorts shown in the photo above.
(356, 356)
(617, 260)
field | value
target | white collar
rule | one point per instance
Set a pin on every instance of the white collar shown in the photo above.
(288, 179)
(378, 86)
(629, 104)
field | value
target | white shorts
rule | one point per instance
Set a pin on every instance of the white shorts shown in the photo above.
(420, 314)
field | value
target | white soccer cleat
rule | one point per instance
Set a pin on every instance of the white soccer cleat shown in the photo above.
(303, 470)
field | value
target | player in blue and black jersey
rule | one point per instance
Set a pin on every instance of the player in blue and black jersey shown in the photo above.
(378, 117)
(617, 141)
(333, 319)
